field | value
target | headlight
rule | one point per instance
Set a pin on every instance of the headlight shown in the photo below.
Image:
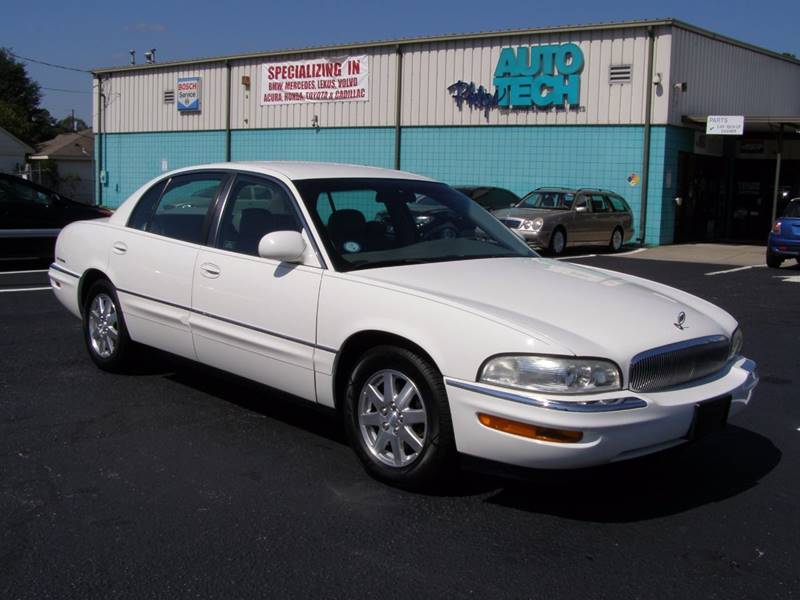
(553, 374)
(526, 224)
(737, 340)
(422, 219)
(537, 223)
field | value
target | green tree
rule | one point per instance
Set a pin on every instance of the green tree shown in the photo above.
(20, 112)
(65, 125)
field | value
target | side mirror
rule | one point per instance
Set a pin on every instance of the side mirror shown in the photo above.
(580, 209)
(285, 246)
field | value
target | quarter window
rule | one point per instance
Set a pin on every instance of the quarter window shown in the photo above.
(618, 204)
(144, 207)
(255, 208)
(182, 209)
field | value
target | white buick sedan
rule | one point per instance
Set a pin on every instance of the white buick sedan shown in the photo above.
(322, 281)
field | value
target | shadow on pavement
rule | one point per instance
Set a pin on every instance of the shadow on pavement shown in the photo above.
(721, 466)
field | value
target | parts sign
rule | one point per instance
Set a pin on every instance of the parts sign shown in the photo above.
(319, 80)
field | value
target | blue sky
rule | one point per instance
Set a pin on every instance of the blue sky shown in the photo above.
(92, 34)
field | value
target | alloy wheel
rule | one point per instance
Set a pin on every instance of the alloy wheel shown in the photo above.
(392, 418)
(103, 326)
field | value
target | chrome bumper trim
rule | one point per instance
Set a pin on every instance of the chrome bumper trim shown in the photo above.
(55, 267)
(580, 406)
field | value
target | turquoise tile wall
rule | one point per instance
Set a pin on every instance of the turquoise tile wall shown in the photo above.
(372, 146)
(131, 159)
(518, 158)
(523, 158)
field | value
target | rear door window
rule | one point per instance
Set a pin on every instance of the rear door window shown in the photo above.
(183, 208)
(599, 204)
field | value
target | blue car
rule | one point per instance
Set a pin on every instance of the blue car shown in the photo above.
(784, 239)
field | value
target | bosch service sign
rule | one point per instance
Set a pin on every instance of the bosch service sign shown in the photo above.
(189, 93)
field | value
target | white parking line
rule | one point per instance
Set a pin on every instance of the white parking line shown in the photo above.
(19, 272)
(736, 269)
(573, 257)
(36, 289)
(610, 255)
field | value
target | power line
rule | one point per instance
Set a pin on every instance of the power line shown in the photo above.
(47, 64)
(67, 91)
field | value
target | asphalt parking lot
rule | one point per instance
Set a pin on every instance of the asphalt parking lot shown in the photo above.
(177, 482)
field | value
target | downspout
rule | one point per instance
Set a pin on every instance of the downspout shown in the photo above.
(228, 111)
(100, 101)
(777, 176)
(647, 121)
(398, 106)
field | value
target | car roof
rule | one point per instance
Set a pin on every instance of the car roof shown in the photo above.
(575, 190)
(297, 170)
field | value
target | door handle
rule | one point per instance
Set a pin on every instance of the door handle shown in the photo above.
(210, 270)
(119, 247)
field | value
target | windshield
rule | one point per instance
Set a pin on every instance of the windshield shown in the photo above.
(792, 209)
(369, 223)
(547, 199)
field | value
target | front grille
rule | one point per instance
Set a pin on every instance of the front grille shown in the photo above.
(511, 223)
(676, 364)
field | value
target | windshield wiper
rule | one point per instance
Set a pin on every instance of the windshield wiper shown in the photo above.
(395, 262)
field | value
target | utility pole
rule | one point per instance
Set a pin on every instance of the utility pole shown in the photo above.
(74, 124)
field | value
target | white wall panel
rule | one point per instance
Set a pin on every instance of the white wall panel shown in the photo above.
(722, 78)
(135, 100)
(725, 79)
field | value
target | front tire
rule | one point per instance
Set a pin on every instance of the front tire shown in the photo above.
(104, 330)
(397, 418)
(558, 241)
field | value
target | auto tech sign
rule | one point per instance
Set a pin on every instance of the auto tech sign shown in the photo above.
(321, 80)
(188, 97)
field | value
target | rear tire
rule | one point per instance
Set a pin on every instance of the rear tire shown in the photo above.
(558, 241)
(617, 239)
(774, 261)
(403, 437)
(104, 331)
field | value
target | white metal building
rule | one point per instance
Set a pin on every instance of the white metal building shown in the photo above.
(621, 106)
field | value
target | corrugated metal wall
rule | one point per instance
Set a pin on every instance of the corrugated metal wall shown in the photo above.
(429, 69)
(135, 98)
(379, 110)
(724, 79)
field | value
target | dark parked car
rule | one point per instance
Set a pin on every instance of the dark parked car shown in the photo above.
(490, 198)
(784, 239)
(31, 217)
(555, 218)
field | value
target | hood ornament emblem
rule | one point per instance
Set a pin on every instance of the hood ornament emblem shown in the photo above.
(680, 323)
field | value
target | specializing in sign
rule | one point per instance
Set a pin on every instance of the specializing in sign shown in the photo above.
(539, 76)
(724, 125)
(320, 80)
(189, 90)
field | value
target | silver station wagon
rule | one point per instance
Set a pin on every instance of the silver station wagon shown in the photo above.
(555, 218)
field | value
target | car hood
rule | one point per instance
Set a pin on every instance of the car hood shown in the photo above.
(571, 308)
(527, 213)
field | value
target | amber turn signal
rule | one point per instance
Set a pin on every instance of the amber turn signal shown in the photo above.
(561, 436)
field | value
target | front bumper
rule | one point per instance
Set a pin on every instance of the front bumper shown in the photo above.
(538, 239)
(611, 431)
